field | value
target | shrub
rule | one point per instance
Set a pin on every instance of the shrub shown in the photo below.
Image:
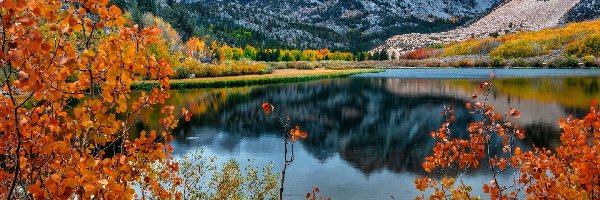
(536, 63)
(480, 63)
(516, 49)
(497, 62)
(464, 48)
(589, 61)
(421, 54)
(278, 65)
(487, 46)
(433, 63)
(227, 68)
(303, 65)
(567, 62)
(436, 46)
(181, 72)
(590, 45)
(337, 65)
(463, 63)
(570, 62)
(519, 62)
(244, 67)
(193, 66)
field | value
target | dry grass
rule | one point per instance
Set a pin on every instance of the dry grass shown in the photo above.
(278, 73)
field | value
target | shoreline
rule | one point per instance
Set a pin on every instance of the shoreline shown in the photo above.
(278, 76)
(286, 76)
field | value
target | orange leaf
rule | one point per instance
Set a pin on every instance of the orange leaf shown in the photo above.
(103, 181)
(267, 107)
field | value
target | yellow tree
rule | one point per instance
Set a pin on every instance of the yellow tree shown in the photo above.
(168, 33)
(195, 48)
(67, 125)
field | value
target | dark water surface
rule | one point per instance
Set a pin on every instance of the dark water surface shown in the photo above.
(368, 135)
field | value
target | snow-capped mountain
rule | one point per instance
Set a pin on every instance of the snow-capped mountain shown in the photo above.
(342, 24)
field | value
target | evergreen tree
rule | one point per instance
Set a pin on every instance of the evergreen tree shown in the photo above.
(286, 56)
(374, 56)
(362, 56)
(383, 55)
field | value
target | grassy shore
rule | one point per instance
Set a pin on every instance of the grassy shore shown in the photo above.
(278, 76)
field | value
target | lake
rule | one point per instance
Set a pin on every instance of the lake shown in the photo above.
(368, 134)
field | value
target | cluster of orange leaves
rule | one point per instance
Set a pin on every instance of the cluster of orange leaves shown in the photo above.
(570, 172)
(55, 52)
(295, 133)
(316, 194)
(424, 53)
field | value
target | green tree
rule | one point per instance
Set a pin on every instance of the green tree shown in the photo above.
(362, 56)
(383, 55)
(250, 52)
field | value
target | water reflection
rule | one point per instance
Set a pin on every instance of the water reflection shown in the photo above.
(367, 136)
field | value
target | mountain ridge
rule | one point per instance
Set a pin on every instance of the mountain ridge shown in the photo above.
(510, 17)
(354, 25)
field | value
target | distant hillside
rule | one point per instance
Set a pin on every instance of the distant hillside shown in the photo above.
(336, 24)
(512, 16)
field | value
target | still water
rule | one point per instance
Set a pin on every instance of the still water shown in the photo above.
(368, 134)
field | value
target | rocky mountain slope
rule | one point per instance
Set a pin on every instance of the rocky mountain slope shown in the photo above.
(337, 24)
(584, 10)
(512, 16)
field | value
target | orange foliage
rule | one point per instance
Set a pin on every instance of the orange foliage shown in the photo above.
(267, 107)
(462, 155)
(316, 194)
(296, 133)
(421, 54)
(570, 172)
(195, 48)
(533, 43)
(56, 52)
(573, 170)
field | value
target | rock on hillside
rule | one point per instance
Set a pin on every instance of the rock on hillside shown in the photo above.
(584, 10)
(512, 16)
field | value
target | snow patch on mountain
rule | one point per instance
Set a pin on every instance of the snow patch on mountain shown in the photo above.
(330, 21)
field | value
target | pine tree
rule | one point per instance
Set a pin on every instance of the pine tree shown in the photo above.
(374, 56)
(383, 55)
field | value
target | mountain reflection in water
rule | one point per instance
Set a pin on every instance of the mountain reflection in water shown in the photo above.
(367, 137)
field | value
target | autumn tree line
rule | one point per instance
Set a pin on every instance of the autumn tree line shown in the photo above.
(214, 52)
(226, 52)
(202, 57)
